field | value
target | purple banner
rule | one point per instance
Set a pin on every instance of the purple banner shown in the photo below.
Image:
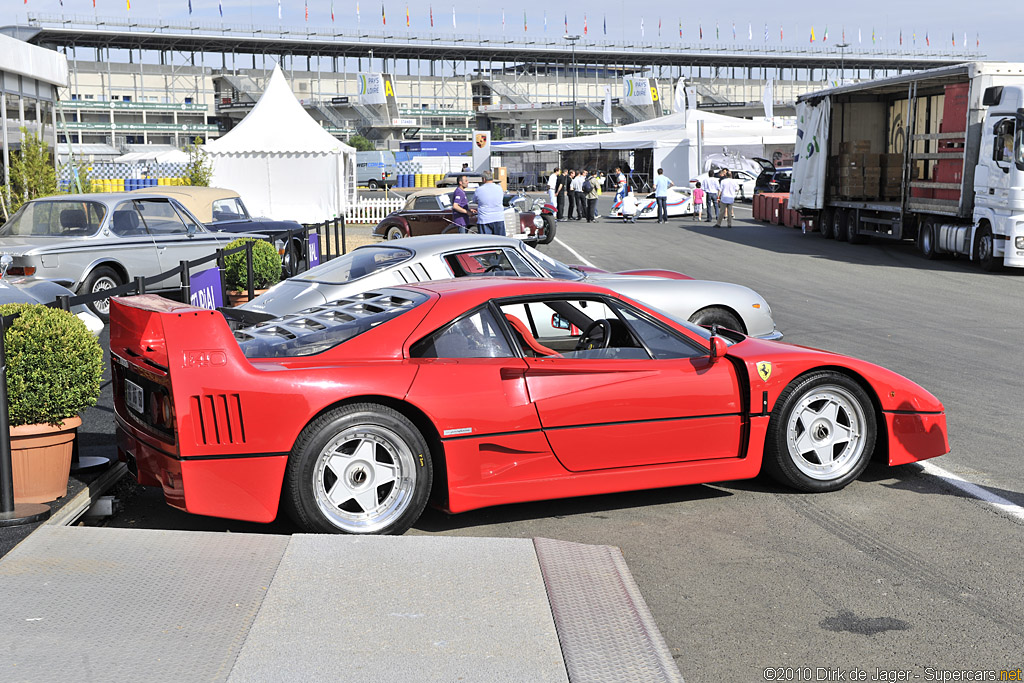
(206, 289)
(314, 249)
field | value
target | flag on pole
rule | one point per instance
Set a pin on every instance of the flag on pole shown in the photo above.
(734, 31)
(407, 15)
(128, 3)
(750, 31)
(502, 19)
(220, 8)
(766, 33)
(965, 40)
(332, 11)
(824, 37)
(525, 27)
(872, 35)
(679, 101)
(584, 24)
(545, 21)
(606, 114)
(953, 38)
(977, 40)
(279, 9)
(453, 17)
(383, 16)
(680, 29)
(927, 42)
(812, 34)
(901, 36)
(566, 17)
(359, 19)
(700, 28)
(431, 16)
(859, 40)
(768, 100)
(659, 27)
(606, 24)
(780, 33)
(189, 5)
(843, 34)
(717, 35)
(641, 27)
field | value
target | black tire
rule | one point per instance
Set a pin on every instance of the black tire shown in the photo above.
(984, 249)
(394, 232)
(716, 315)
(926, 240)
(372, 185)
(294, 260)
(839, 225)
(821, 434)
(101, 279)
(346, 452)
(826, 224)
(550, 227)
(853, 234)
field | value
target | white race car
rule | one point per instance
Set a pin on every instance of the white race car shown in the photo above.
(680, 203)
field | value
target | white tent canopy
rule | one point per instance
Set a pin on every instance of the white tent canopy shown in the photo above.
(282, 162)
(674, 140)
(156, 156)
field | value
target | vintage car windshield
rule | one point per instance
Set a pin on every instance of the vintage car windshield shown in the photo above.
(320, 328)
(553, 268)
(356, 264)
(56, 218)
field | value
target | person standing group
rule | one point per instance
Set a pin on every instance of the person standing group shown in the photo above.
(661, 185)
(490, 209)
(576, 186)
(711, 189)
(562, 193)
(729, 188)
(552, 186)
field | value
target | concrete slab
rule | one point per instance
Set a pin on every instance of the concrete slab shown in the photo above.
(129, 604)
(404, 609)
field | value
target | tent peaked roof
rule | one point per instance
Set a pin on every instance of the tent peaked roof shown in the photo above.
(278, 124)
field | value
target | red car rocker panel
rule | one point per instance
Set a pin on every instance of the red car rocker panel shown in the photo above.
(480, 392)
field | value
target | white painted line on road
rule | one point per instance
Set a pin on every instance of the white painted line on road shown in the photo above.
(575, 253)
(974, 491)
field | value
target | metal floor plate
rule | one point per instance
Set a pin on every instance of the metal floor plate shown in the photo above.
(83, 604)
(605, 629)
(412, 608)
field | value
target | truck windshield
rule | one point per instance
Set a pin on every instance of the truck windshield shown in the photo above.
(1018, 144)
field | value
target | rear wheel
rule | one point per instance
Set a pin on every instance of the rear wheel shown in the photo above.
(359, 469)
(853, 234)
(394, 232)
(716, 315)
(926, 240)
(550, 226)
(839, 225)
(826, 223)
(372, 185)
(100, 280)
(821, 433)
(294, 261)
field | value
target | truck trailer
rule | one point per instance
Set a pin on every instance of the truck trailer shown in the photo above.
(933, 156)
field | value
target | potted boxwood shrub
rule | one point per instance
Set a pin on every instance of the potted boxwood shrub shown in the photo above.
(54, 370)
(266, 269)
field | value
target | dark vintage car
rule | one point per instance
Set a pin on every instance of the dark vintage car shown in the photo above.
(223, 210)
(429, 212)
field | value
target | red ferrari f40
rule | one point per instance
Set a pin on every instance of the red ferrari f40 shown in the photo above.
(484, 391)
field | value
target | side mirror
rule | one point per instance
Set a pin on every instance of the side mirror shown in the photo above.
(719, 347)
(5, 262)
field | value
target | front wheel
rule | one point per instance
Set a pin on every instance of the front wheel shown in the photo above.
(358, 469)
(550, 227)
(821, 433)
(100, 280)
(716, 315)
(926, 241)
(984, 248)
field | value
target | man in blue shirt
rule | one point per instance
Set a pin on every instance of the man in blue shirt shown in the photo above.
(661, 185)
(490, 214)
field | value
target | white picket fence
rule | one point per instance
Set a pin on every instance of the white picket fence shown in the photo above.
(372, 209)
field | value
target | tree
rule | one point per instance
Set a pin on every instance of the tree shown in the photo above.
(199, 171)
(360, 143)
(32, 172)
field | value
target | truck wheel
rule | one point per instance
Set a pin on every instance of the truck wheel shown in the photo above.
(550, 226)
(372, 185)
(826, 223)
(926, 240)
(359, 469)
(853, 233)
(839, 226)
(984, 248)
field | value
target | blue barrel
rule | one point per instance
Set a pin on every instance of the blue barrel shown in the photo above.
(131, 184)
(151, 182)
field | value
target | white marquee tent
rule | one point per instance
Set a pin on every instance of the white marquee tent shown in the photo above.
(282, 162)
(673, 139)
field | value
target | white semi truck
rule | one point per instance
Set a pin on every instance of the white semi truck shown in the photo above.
(935, 156)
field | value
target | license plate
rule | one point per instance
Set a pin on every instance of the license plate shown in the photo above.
(133, 396)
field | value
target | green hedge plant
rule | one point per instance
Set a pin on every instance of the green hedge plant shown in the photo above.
(266, 265)
(54, 365)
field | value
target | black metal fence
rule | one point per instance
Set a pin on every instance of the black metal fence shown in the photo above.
(328, 249)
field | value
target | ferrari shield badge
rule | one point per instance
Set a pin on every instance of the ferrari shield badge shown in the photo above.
(764, 369)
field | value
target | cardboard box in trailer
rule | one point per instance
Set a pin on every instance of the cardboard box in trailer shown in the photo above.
(935, 156)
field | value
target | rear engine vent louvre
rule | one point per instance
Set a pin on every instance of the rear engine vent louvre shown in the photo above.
(217, 419)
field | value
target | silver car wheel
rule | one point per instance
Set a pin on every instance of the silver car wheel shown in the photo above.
(824, 433)
(364, 478)
(102, 284)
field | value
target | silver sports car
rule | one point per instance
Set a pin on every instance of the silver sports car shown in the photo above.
(95, 242)
(438, 257)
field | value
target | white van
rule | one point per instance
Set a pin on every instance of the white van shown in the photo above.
(371, 167)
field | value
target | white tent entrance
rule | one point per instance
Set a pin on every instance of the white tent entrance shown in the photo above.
(282, 162)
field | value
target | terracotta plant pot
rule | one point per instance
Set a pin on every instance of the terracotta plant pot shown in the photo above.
(41, 460)
(237, 298)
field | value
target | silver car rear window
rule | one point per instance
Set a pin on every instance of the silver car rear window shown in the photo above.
(356, 264)
(56, 218)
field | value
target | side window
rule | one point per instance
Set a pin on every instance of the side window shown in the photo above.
(572, 328)
(474, 336)
(159, 217)
(125, 221)
(227, 210)
(1003, 147)
(425, 204)
(190, 224)
(660, 341)
(499, 262)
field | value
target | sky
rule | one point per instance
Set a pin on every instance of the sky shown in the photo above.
(988, 28)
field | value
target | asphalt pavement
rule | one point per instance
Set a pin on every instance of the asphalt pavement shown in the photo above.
(748, 581)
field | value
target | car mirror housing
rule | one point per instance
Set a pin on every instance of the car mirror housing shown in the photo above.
(719, 347)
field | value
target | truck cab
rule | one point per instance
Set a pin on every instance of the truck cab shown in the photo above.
(999, 179)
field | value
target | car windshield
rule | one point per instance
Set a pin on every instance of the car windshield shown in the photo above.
(356, 264)
(553, 268)
(56, 218)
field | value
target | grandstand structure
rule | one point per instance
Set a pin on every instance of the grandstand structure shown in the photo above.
(152, 82)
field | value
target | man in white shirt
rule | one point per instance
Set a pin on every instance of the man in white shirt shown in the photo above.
(620, 184)
(629, 208)
(727, 196)
(711, 190)
(552, 184)
(576, 196)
